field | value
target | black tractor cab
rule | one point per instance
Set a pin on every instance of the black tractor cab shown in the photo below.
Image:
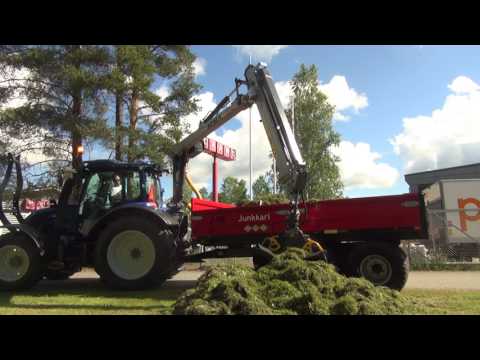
(99, 187)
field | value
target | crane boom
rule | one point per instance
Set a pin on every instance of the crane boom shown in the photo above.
(289, 161)
(262, 92)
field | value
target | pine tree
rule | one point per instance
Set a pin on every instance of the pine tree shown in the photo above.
(63, 93)
(154, 122)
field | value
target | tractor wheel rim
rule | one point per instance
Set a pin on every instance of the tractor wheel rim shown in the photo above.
(14, 263)
(131, 255)
(377, 269)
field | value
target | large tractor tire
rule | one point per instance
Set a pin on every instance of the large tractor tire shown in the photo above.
(134, 254)
(381, 264)
(20, 262)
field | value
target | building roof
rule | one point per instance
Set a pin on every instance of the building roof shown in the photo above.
(425, 178)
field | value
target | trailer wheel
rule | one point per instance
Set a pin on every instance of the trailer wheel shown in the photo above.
(383, 265)
(134, 254)
(20, 262)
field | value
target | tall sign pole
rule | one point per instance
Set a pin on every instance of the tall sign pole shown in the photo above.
(250, 122)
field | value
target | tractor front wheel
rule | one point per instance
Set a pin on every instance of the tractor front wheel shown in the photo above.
(134, 254)
(20, 262)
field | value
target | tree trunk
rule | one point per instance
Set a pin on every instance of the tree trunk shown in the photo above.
(118, 113)
(133, 126)
(118, 125)
(76, 136)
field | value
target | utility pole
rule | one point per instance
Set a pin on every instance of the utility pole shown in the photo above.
(293, 113)
(274, 174)
(250, 122)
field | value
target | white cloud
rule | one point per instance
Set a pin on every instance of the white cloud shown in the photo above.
(449, 136)
(30, 148)
(360, 167)
(338, 92)
(163, 91)
(206, 103)
(343, 97)
(463, 84)
(260, 52)
(13, 77)
(199, 66)
(285, 93)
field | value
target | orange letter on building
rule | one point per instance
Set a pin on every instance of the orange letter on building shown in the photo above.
(463, 215)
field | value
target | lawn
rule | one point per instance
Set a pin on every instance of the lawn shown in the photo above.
(88, 297)
(84, 297)
(444, 302)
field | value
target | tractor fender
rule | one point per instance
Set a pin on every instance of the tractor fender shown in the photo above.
(91, 229)
(31, 233)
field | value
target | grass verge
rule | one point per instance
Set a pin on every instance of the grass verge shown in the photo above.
(443, 302)
(89, 298)
(444, 267)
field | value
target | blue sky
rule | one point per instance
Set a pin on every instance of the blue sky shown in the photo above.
(398, 82)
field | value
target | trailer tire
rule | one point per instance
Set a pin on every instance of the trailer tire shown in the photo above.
(135, 254)
(383, 265)
(20, 262)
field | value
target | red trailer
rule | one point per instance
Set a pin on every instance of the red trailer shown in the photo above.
(361, 235)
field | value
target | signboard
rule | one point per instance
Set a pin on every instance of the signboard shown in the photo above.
(461, 207)
(218, 150)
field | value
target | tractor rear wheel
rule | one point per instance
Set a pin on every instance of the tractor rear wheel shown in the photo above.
(20, 262)
(134, 254)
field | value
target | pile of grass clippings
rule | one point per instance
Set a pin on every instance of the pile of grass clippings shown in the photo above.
(289, 285)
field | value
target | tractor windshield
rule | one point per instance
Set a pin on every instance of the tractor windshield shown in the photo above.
(154, 190)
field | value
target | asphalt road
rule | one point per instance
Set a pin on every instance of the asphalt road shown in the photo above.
(460, 280)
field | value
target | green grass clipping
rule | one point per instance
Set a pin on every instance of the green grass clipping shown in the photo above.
(289, 285)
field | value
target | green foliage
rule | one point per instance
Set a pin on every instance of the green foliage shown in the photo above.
(315, 135)
(204, 192)
(154, 122)
(62, 86)
(289, 285)
(233, 191)
(261, 188)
